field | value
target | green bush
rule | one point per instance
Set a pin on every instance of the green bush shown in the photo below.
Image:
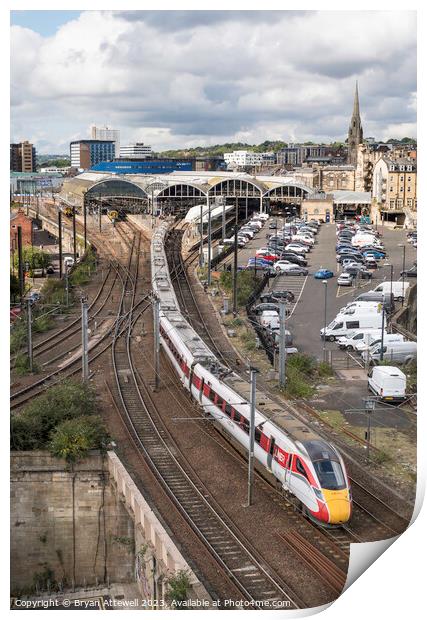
(53, 292)
(18, 336)
(249, 341)
(22, 365)
(178, 589)
(297, 385)
(72, 439)
(65, 401)
(325, 370)
(42, 324)
(303, 363)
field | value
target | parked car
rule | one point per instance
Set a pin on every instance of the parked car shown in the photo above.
(323, 274)
(50, 269)
(260, 308)
(410, 273)
(296, 247)
(373, 253)
(345, 279)
(34, 297)
(360, 272)
(273, 296)
(272, 225)
(294, 270)
(293, 257)
(370, 262)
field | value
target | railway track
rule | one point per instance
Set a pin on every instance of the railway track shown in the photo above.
(21, 397)
(234, 555)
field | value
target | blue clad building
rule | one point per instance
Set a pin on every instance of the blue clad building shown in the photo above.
(144, 166)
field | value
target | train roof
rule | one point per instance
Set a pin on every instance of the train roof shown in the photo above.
(277, 416)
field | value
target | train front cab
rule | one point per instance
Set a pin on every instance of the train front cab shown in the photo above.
(334, 502)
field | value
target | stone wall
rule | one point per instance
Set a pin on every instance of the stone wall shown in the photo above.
(95, 547)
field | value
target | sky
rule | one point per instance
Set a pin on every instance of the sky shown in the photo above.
(179, 79)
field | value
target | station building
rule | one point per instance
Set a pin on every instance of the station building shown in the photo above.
(179, 191)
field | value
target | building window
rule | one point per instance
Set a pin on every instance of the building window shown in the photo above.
(409, 202)
(399, 203)
(409, 189)
(409, 178)
(401, 178)
(392, 204)
(401, 189)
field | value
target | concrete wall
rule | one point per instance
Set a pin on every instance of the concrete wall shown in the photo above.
(42, 522)
(118, 537)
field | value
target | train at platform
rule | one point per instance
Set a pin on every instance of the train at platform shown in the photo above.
(304, 464)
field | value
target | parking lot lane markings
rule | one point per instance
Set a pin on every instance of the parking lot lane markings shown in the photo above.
(299, 296)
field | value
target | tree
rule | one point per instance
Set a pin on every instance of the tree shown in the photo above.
(72, 439)
(36, 258)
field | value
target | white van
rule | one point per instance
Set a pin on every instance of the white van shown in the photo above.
(361, 337)
(399, 289)
(343, 325)
(388, 338)
(270, 319)
(361, 304)
(388, 382)
(363, 309)
(398, 352)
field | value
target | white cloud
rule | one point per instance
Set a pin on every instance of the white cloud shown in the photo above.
(183, 80)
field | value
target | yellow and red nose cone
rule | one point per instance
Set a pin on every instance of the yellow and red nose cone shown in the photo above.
(338, 504)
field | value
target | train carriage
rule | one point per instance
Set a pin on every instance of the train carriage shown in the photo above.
(305, 465)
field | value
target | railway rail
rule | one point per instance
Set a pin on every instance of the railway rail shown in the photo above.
(235, 556)
(22, 396)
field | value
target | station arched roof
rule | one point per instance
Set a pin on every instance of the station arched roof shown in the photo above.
(74, 188)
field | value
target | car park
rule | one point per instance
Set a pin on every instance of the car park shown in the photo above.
(345, 279)
(323, 274)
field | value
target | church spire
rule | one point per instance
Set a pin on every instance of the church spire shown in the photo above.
(355, 132)
(356, 111)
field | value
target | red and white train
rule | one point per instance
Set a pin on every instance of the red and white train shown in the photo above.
(306, 465)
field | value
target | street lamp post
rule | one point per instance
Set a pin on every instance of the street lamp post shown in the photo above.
(252, 436)
(402, 245)
(325, 282)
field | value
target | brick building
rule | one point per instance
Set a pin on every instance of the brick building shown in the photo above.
(26, 223)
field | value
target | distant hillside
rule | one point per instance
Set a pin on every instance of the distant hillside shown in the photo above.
(220, 149)
(267, 145)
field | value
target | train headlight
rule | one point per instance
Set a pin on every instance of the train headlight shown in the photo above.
(318, 494)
